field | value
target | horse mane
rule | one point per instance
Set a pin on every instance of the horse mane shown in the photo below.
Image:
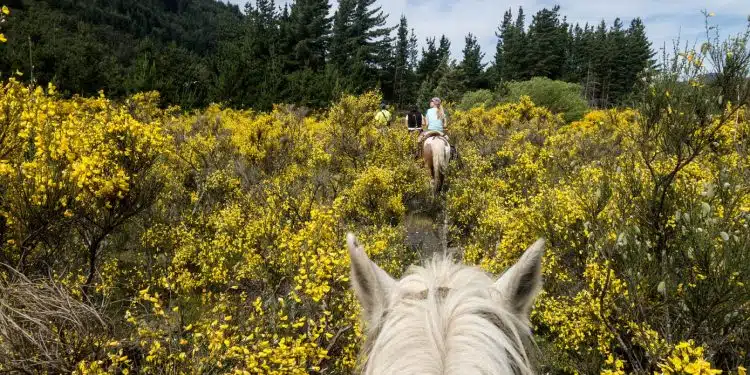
(446, 318)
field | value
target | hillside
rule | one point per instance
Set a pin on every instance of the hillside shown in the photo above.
(196, 52)
(121, 47)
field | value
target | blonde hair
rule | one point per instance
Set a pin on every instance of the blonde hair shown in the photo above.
(439, 107)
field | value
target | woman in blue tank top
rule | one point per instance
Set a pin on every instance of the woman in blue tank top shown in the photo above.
(436, 121)
(435, 116)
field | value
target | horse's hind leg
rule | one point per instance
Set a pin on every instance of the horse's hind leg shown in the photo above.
(439, 182)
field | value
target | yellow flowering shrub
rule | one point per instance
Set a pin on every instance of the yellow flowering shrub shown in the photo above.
(4, 12)
(586, 188)
(77, 167)
(224, 244)
(686, 358)
(263, 202)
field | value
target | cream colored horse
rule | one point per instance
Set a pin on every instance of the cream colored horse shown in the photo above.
(436, 153)
(446, 318)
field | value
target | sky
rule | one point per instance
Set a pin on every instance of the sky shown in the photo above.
(665, 20)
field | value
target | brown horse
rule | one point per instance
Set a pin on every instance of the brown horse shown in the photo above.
(436, 153)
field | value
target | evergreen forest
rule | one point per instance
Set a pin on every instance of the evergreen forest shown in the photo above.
(197, 52)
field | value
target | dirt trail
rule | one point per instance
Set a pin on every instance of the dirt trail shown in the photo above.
(426, 232)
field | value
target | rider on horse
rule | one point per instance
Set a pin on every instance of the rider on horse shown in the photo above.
(436, 123)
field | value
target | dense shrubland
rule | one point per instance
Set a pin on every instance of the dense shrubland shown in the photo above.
(206, 242)
(142, 239)
(646, 211)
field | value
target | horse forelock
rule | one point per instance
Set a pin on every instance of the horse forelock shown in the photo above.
(446, 318)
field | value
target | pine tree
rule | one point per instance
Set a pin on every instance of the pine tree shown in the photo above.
(574, 62)
(429, 71)
(342, 47)
(429, 62)
(515, 51)
(617, 49)
(373, 44)
(602, 63)
(639, 54)
(249, 68)
(471, 66)
(547, 38)
(361, 45)
(425, 92)
(286, 41)
(263, 21)
(402, 73)
(588, 51)
(599, 64)
(444, 48)
(520, 20)
(414, 82)
(449, 86)
(267, 38)
(309, 27)
(497, 67)
(413, 52)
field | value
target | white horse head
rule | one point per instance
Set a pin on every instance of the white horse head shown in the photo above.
(446, 318)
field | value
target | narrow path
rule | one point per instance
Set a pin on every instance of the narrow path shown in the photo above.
(427, 232)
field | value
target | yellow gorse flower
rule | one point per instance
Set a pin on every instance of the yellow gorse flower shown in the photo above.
(236, 261)
(686, 358)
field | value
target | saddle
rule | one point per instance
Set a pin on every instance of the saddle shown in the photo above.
(431, 134)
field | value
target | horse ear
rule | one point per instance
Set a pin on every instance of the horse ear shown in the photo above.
(520, 284)
(370, 283)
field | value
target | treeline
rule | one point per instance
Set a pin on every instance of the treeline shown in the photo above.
(604, 60)
(195, 52)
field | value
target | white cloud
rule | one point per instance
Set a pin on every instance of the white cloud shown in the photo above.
(664, 19)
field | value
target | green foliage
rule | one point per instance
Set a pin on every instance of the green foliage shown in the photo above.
(472, 68)
(449, 86)
(309, 27)
(201, 51)
(605, 61)
(646, 213)
(404, 78)
(360, 46)
(513, 56)
(121, 47)
(547, 38)
(477, 98)
(558, 96)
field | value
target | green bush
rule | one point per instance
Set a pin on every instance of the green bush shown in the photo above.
(557, 96)
(477, 98)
